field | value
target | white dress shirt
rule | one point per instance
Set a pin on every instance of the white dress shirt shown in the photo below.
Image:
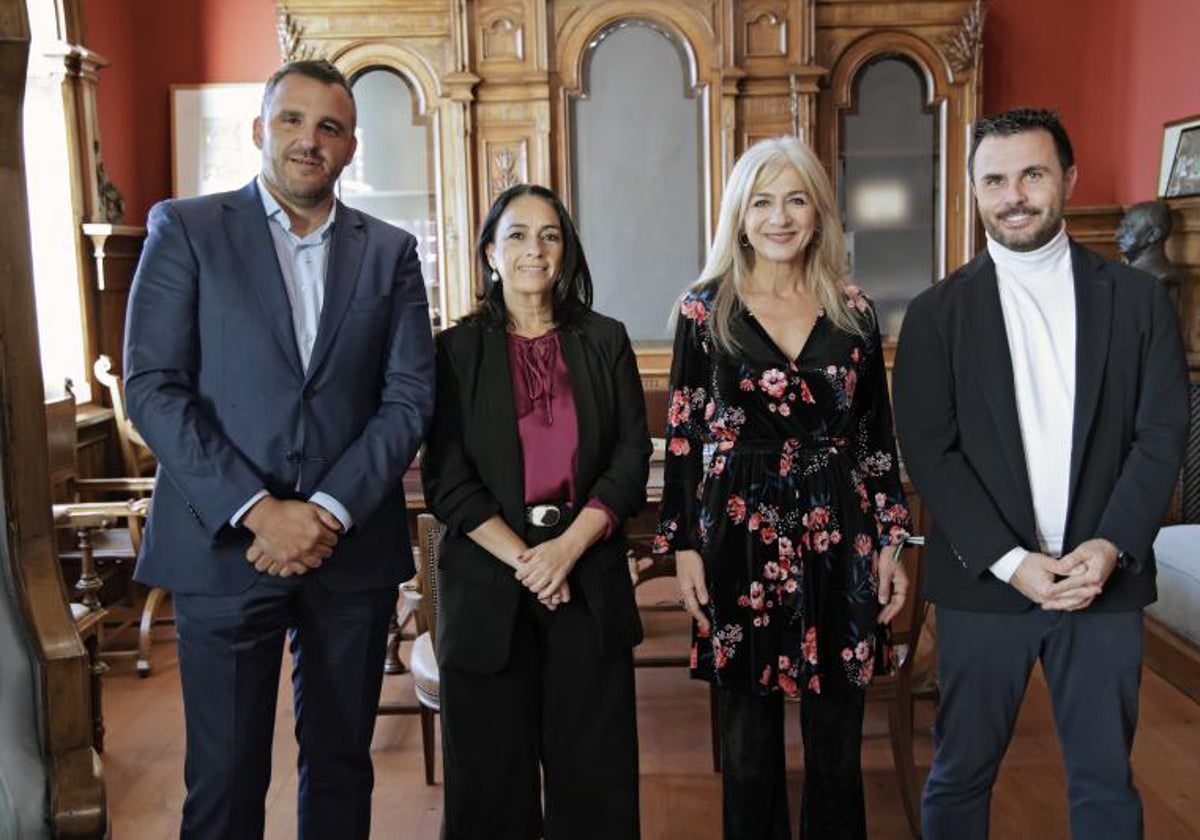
(1037, 296)
(302, 261)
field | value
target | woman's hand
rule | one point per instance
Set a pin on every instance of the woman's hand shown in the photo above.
(693, 592)
(560, 597)
(544, 568)
(893, 584)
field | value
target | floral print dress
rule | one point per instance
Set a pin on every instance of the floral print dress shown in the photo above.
(782, 473)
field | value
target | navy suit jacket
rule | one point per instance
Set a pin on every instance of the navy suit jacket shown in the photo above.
(214, 382)
(956, 416)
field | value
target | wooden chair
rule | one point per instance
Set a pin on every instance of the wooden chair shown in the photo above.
(136, 457)
(423, 662)
(102, 533)
(138, 463)
(898, 689)
(644, 567)
(419, 600)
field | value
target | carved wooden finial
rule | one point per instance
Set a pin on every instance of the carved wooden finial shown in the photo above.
(290, 34)
(964, 47)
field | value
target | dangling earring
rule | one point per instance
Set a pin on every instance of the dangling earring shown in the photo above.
(816, 237)
(743, 240)
(495, 276)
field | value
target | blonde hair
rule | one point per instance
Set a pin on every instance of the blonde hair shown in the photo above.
(729, 264)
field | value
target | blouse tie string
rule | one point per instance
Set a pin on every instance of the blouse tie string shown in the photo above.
(536, 362)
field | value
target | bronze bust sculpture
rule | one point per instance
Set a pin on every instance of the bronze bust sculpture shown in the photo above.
(1141, 239)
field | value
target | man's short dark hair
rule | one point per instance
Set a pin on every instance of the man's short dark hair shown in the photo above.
(1018, 121)
(319, 70)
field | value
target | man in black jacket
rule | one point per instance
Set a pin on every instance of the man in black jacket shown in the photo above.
(1040, 396)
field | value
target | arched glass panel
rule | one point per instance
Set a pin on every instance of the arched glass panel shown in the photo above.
(638, 175)
(889, 187)
(391, 176)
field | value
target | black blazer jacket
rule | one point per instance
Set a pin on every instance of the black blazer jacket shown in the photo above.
(956, 415)
(472, 470)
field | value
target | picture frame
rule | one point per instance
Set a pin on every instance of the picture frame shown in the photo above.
(1179, 166)
(212, 144)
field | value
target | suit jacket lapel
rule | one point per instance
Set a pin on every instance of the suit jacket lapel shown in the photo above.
(246, 226)
(500, 409)
(1093, 321)
(993, 364)
(341, 278)
(586, 414)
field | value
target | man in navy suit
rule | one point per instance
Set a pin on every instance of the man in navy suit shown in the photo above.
(279, 363)
(1041, 404)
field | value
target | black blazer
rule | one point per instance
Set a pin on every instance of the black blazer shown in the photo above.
(956, 415)
(472, 470)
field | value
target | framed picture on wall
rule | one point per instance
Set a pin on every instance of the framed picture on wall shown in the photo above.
(212, 147)
(1179, 168)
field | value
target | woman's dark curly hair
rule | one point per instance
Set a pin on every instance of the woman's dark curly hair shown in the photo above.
(572, 293)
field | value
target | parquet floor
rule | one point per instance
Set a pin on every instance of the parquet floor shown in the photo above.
(143, 761)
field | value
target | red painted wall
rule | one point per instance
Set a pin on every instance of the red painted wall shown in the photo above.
(153, 44)
(1116, 70)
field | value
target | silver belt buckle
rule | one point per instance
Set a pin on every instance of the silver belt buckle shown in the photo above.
(544, 516)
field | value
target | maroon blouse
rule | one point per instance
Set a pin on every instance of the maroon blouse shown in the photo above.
(546, 421)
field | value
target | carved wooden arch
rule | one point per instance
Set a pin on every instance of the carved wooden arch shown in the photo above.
(690, 30)
(361, 57)
(866, 49)
(694, 35)
(946, 94)
(428, 102)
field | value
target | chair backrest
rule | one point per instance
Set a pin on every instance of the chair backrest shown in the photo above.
(135, 454)
(60, 444)
(429, 547)
(906, 627)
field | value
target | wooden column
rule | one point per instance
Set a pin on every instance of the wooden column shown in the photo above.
(76, 789)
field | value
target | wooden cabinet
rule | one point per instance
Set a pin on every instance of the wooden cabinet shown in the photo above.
(497, 84)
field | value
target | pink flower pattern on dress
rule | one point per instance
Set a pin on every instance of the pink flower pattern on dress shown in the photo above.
(782, 473)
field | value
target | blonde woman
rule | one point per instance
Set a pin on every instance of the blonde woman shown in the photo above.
(782, 499)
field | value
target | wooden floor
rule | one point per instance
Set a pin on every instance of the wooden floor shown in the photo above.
(143, 763)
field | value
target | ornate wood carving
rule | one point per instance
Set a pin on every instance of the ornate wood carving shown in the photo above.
(508, 165)
(765, 35)
(850, 36)
(497, 77)
(291, 38)
(964, 47)
(502, 39)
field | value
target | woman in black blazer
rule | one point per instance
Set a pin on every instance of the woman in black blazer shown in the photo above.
(539, 452)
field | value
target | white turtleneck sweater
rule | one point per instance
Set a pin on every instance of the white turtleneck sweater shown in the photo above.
(1037, 296)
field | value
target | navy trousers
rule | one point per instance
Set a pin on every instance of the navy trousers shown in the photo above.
(1092, 662)
(230, 647)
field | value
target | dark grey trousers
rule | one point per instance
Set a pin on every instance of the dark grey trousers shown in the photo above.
(1092, 662)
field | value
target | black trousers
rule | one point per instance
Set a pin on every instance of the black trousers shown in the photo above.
(230, 647)
(755, 776)
(1092, 663)
(559, 714)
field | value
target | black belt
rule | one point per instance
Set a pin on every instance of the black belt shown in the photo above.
(547, 515)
